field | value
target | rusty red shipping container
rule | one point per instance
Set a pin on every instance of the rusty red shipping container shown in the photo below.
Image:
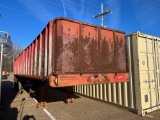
(69, 53)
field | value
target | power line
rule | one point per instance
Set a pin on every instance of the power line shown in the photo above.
(80, 5)
(53, 4)
(44, 1)
(66, 7)
(15, 9)
(92, 4)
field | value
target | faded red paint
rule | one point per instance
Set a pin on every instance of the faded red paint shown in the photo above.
(46, 52)
(32, 58)
(40, 55)
(36, 55)
(27, 61)
(51, 49)
(76, 79)
(30, 49)
(75, 53)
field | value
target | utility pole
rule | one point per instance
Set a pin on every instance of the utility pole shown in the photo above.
(102, 14)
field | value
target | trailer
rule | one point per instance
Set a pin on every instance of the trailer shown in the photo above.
(68, 53)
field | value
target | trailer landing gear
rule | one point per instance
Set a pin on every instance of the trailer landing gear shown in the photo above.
(69, 100)
(37, 92)
(41, 105)
(70, 95)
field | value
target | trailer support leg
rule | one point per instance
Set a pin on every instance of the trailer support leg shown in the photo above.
(41, 103)
(70, 95)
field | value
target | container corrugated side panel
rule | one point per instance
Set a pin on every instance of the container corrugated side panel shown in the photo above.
(117, 93)
(30, 56)
(51, 48)
(40, 55)
(35, 56)
(33, 60)
(28, 64)
(23, 63)
(43, 53)
(36, 59)
(46, 52)
(38, 52)
(19, 65)
(27, 61)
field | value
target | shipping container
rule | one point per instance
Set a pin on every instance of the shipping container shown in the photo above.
(146, 71)
(142, 93)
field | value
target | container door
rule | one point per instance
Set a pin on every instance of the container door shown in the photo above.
(148, 52)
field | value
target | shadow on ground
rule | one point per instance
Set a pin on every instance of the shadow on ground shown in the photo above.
(29, 117)
(12, 102)
(7, 97)
(50, 94)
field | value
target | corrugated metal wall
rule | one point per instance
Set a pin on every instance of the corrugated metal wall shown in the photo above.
(36, 59)
(118, 93)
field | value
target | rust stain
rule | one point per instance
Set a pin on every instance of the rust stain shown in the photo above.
(90, 56)
(68, 47)
(120, 54)
(107, 51)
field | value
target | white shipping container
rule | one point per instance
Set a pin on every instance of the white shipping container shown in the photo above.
(145, 54)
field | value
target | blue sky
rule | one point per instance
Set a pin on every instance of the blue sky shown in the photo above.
(25, 19)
